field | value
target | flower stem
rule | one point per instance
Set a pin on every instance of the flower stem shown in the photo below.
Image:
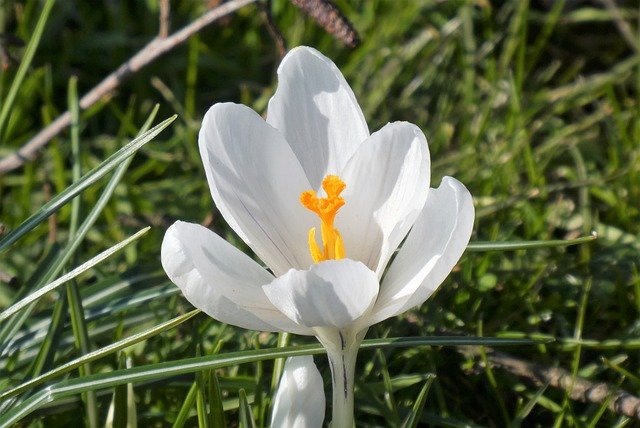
(342, 360)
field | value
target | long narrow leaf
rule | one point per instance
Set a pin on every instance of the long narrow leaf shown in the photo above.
(173, 368)
(8, 332)
(80, 331)
(246, 416)
(187, 404)
(25, 63)
(119, 403)
(76, 171)
(87, 180)
(215, 401)
(526, 245)
(524, 412)
(278, 364)
(414, 416)
(201, 401)
(47, 349)
(99, 353)
(77, 271)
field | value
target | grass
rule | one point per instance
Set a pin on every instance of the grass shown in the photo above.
(536, 110)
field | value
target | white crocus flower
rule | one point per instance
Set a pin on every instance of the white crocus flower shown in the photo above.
(299, 401)
(266, 177)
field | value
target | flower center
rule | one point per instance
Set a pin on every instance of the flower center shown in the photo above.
(326, 209)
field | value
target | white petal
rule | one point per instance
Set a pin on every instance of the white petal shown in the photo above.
(256, 181)
(334, 293)
(434, 245)
(299, 401)
(221, 280)
(316, 111)
(387, 184)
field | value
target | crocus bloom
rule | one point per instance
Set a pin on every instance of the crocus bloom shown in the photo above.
(299, 401)
(313, 164)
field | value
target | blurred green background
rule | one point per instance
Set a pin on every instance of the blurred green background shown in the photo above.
(532, 104)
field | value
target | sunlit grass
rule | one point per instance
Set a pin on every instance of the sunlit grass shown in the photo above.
(535, 110)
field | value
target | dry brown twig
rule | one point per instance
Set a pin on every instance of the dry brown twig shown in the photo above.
(323, 11)
(272, 28)
(154, 49)
(618, 400)
(331, 19)
(165, 19)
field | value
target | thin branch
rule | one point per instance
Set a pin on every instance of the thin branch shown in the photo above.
(578, 388)
(331, 19)
(149, 53)
(272, 28)
(165, 19)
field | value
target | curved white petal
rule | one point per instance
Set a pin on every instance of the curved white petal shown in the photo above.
(316, 111)
(299, 401)
(334, 293)
(433, 247)
(387, 184)
(256, 181)
(221, 280)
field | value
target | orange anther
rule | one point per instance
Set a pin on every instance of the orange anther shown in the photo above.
(326, 209)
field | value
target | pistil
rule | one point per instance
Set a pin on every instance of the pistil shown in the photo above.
(326, 208)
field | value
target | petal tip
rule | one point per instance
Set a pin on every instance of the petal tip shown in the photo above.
(301, 51)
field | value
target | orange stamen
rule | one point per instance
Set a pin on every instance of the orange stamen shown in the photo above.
(326, 209)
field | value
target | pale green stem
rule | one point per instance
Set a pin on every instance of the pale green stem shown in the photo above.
(342, 351)
(343, 364)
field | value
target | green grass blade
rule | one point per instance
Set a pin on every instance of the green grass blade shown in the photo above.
(74, 273)
(64, 256)
(25, 63)
(201, 401)
(76, 311)
(550, 21)
(120, 397)
(634, 378)
(524, 412)
(413, 417)
(187, 404)
(47, 350)
(99, 353)
(41, 275)
(215, 401)
(76, 171)
(87, 180)
(80, 332)
(479, 246)
(147, 124)
(389, 399)
(168, 369)
(278, 364)
(246, 416)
